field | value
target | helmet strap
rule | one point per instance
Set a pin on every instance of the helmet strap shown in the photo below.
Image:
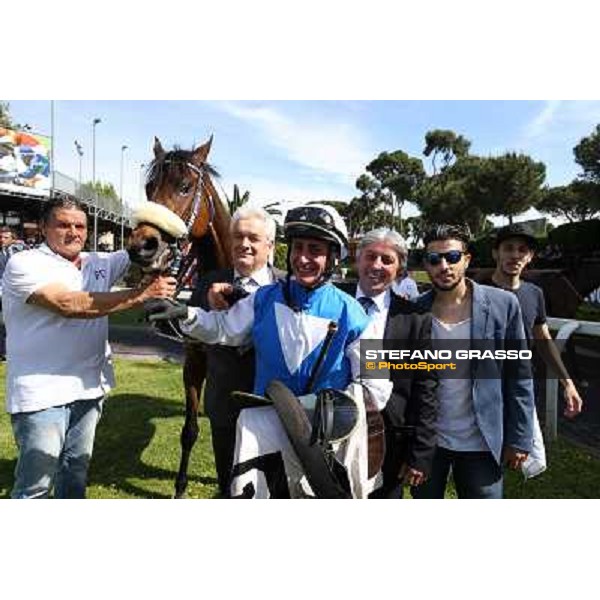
(287, 293)
(332, 261)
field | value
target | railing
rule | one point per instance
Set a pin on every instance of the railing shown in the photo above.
(110, 208)
(565, 328)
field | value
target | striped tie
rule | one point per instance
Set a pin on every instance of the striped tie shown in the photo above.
(366, 303)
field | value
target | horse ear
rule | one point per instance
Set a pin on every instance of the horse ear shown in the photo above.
(201, 152)
(158, 149)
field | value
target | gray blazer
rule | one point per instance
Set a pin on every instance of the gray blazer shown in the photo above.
(503, 404)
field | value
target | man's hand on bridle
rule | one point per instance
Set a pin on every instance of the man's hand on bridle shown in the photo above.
(158, 286)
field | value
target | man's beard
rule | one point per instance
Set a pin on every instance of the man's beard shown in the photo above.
(447, 288)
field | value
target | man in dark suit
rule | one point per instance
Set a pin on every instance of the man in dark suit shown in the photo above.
(232, 369)
(410, 413)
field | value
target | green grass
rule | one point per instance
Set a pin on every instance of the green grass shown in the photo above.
(137, 446)
(420, 276)
(588, 312)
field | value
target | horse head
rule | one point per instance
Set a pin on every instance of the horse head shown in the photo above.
(180, 181)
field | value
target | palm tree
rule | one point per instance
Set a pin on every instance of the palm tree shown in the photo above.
(238, 200)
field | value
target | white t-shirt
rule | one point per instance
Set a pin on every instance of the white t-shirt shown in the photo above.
(53, 360)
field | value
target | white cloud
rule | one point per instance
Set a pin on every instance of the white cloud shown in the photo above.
(265, 191)
(337, 148)
(543, 120)
(558, 119)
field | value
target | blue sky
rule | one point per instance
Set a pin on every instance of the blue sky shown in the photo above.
(302, 150)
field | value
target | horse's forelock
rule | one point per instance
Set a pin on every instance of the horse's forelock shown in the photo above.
(172, 165)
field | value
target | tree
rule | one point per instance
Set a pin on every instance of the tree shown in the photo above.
(578, 201)
(509, 184)
(396, 176)
(451, 204)
(465, 188)
(587, 156)
(362, 208)
(5, 118)
(106, 193)
(453, 195)
(446, 143)
(371, 192)
(415, 229)
(359, 215)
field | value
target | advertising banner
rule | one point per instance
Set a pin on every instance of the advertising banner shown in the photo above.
(24, 159)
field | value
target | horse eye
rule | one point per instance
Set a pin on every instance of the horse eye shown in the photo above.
(185, 188)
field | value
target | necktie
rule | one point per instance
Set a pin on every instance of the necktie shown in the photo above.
(366, 303)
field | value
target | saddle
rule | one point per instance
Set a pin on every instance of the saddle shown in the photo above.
(324, 473)
(313, 423)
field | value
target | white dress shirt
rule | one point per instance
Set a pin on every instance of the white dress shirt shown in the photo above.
(264, 276)
(378, 311)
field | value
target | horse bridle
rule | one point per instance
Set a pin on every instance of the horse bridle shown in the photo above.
(197, 200)
(182, 265)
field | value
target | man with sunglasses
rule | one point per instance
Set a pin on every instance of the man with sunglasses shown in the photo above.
(483, 421)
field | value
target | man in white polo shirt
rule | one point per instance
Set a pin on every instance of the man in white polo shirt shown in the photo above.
(55, 302)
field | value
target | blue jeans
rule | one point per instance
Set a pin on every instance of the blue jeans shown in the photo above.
(475, 474)
(55, 446)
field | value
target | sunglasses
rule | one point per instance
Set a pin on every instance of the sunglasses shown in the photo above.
(435, 258)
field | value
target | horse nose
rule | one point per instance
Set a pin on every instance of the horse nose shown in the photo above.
(149, 246)
(145, 251)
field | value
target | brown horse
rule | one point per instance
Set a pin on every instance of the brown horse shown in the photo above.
(181, 181)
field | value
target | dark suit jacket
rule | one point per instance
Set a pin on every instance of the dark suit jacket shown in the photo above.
(228, 368)
(411, 411)
(412, 408)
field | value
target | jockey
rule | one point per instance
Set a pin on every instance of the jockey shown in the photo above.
(288, 324)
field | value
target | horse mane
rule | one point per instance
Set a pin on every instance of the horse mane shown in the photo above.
(173, 164)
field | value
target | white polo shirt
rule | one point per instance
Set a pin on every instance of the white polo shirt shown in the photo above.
(53, 360)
